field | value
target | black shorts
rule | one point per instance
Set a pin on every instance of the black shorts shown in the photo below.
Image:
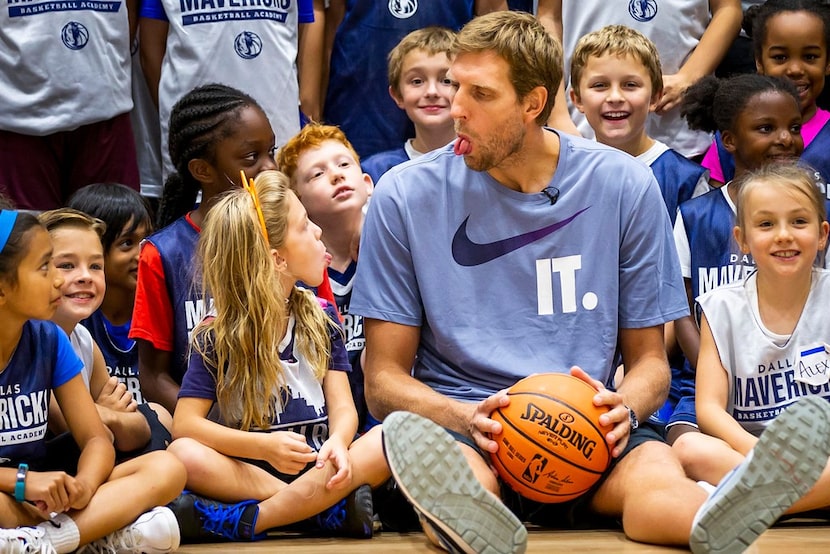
(160, 437)
(572, 514)
(268, 468)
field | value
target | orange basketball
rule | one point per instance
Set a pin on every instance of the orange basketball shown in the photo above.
(552, 447)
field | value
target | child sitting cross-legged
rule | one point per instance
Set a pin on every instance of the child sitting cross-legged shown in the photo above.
(45, 508)
(270, 355)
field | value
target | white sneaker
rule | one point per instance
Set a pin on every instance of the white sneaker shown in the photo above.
(154, 532)
(25, 540)
(785, 463)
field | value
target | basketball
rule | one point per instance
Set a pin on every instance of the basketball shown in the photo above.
(552, 447)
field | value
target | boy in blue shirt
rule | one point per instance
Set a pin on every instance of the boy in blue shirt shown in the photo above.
(419, 86)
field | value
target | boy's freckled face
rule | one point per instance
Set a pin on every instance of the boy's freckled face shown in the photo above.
(330, 181)
(424, 91)
(616, 96)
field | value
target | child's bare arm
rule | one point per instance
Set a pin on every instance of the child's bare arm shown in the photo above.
(711, 395)
(549, 14)
(342, 427)
(715, 41)
(97, 454)
(310, 56)
(286, 451)
(153, 46)
(116, 406)
(154, 375)
(686, 330)
(486, 6)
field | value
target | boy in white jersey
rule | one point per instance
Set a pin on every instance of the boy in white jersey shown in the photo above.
(616, 82)
(691, 35)
(79, 257)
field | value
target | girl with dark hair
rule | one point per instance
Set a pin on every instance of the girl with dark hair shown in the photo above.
(760, 122)
(47, 509)
(790, 40)
(215, 131)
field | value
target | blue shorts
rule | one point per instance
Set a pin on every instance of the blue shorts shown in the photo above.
(576, 513)
(680, 405)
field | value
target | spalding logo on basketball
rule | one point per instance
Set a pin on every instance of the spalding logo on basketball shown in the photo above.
(552, 447)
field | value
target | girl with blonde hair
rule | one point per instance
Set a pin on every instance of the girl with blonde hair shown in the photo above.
(270, 355)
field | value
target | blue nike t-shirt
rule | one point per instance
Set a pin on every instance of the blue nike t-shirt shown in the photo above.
(504, 284)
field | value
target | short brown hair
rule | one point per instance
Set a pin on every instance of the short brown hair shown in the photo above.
(68, 217)
(534, 57)
(617, 40)
(310, 136)
(432, 40)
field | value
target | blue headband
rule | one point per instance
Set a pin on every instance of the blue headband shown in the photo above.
(7, 219)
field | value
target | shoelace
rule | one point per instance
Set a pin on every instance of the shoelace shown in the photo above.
(125, 539)
(29, 540)
(333, 518)
(220, 519)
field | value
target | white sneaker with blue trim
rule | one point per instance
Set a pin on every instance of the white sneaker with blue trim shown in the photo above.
(785, 463)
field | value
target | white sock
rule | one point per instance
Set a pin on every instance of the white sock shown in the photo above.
(62, 532)
(708, 487)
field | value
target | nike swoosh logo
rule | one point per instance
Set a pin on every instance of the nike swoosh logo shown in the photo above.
(468, 253)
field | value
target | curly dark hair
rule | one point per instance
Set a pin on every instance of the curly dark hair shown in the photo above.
(713, 104)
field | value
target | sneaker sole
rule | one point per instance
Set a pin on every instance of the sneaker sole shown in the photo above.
(433, 474)
(786, 463)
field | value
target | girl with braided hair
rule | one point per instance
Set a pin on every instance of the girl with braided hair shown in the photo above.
(215, 131)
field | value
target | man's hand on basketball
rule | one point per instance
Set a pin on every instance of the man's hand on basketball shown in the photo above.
(617, 415)
(481, 426)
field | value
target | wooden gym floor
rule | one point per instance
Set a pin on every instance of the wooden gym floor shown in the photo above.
(786, 538)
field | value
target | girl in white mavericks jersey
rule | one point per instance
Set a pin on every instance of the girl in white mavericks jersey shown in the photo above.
(763, 340)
